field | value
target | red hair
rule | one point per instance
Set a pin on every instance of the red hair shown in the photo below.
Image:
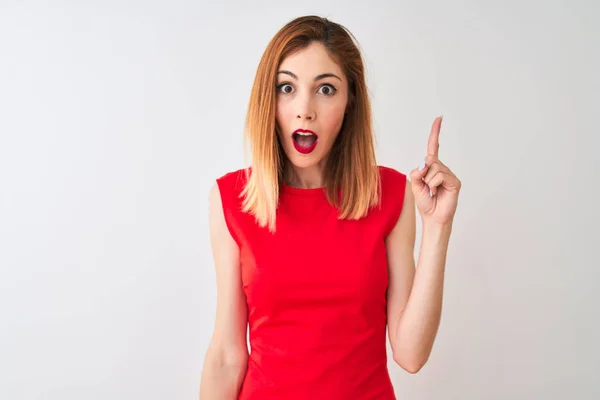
(351, 165)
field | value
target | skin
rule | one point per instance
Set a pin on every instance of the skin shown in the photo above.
(414, 295)
(226, 358)
(308, 97)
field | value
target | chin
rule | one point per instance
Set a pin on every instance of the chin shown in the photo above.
(301, 161)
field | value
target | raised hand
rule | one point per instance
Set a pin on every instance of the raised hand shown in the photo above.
(434, 186)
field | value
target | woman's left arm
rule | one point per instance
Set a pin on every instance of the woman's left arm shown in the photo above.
(415, 296)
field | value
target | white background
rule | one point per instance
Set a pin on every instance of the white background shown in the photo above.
(117, 117)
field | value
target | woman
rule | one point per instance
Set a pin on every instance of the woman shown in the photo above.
(313, 244)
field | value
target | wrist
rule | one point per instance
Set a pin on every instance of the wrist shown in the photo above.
(436, 228)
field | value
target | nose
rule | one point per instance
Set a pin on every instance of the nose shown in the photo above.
(304, 115)
(305, 110)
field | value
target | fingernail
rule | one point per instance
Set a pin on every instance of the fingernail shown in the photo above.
(422, 166)
(430, 193)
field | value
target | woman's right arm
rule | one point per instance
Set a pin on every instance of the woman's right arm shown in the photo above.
(226, 359)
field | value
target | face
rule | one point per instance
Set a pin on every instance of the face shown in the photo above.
(312, 93)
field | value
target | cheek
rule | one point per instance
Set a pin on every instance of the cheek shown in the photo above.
(333, 118)
(283, 115)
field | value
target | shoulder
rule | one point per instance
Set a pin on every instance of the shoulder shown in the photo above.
(226, 189)
(225, 201)
(395, 194)
(231, 183)
(385, 170)
(234, 178)
(392, 179)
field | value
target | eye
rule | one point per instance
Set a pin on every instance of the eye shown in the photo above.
(285, 88)
(328, 90)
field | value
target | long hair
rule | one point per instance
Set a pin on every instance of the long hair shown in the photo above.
(351, 176)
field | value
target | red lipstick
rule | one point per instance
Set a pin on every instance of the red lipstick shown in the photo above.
(305, 140)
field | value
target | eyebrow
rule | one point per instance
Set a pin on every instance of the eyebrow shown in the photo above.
(317, 78)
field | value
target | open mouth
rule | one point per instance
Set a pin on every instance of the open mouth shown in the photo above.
(305, 140)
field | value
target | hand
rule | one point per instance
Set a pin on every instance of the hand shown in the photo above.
(434, 186)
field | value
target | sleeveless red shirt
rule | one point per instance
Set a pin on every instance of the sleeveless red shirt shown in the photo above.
(316, 294)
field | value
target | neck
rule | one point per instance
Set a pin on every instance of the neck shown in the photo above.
(304, 178)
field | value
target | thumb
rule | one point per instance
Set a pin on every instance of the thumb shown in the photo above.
(416, 176)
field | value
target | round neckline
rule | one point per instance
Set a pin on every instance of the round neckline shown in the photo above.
(285, 188)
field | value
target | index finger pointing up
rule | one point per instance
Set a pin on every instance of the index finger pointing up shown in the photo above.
(434, 137)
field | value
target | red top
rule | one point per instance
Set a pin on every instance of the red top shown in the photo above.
(316, 294)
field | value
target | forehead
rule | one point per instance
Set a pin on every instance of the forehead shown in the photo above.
(310, 62)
